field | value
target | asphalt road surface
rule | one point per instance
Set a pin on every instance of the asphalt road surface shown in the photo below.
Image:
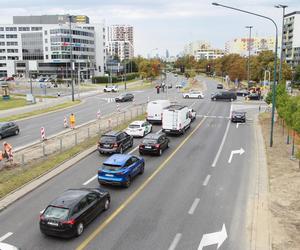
(85, 112)
(191, 195)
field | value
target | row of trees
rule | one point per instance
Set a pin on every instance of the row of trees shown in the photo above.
(235, 66)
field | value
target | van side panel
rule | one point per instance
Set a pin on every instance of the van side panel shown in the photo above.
(155, 110)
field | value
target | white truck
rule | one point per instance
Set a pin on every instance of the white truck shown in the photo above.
(176, 119)
(155, 110)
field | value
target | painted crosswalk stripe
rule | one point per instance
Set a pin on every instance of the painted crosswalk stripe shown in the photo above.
(5, 236)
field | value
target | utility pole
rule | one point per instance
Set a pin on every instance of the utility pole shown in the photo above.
(249, 54)
(125, 84)
(71, 57)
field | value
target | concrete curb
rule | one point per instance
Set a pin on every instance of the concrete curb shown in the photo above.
(260, 231)
(28, 187)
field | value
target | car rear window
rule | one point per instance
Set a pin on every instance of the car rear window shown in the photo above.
(107, 139)
(107, 166)
(60, 213)
(149, 141)
(134, 126)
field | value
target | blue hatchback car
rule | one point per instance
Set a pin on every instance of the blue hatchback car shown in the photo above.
(120, 169)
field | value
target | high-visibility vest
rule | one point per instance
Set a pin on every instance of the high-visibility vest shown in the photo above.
(72, 119)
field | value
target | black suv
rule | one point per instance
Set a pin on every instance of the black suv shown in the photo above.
(124, 97)
(154, 144)
(8, 128)
(68, 214)
(114, 142)
(224, 95)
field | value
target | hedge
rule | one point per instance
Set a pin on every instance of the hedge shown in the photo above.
(114, 79)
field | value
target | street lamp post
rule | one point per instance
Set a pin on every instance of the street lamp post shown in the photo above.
(249, 54)
(275, 61)
(71, 57)
(281, 48)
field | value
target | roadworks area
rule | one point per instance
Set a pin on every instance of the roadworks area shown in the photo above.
(284, 186)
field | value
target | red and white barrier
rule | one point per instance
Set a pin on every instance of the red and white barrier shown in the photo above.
(43, 134)
(98, 114)
(65, 122)
(118, 107)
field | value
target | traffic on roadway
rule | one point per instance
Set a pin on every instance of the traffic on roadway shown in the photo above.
(147, 190)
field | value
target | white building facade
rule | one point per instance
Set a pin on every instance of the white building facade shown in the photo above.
(202, 50)
(44, 49)
(291, 38)
(120, 41)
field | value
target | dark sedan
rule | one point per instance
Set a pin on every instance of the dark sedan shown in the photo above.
(220, 86)
(154, 144)
(67, 215)
(8, 129)
(242, 92)
(238, 116)
(127, 97)
(254, 96)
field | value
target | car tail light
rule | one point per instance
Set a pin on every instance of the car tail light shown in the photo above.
(42, 217)
(69, 222)
(141, 146)
(115, 145)
(157, 145)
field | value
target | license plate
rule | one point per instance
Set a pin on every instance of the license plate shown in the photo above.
(106, 145)
(109, 175)
(149, 147)
(53, 224)
(167, 130)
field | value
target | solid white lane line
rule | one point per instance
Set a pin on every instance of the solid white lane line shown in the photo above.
(175, 242)
(5, 236)
(194, 206)
(206, 180)
(90, 180)
(158, 131)
(95, 176)
(221, 145)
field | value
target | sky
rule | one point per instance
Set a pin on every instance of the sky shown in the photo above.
(164, 24)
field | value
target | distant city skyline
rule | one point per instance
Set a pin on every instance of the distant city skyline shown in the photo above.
(164, 24)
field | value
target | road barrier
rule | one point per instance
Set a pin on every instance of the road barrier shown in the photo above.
(98, 114)
(69, 138)
(65, 122)
(43, 134)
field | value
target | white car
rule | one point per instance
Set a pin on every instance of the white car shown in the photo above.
(5, 246)
(111, 89)
(193, 94)
(139, 128)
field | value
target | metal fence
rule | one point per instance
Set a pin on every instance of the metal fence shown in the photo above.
(71, 138)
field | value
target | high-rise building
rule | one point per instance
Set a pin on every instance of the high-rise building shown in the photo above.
(120, 41)
(50, 19)
(202, 50)
(42, 48)
(167, 54)
(258, 44)
(291, 38)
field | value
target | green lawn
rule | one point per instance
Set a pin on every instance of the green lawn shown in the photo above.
(38, 112)
(13, 102)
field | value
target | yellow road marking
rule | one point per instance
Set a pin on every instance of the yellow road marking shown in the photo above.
(133, 195)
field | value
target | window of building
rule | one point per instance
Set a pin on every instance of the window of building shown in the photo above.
(12, 43)
(46, 40)
(10, 36)
(11, 28)
(2, 43)
(47, 57)
(2, 50)
(45, 32)
(12, 50)
(2, 57)
(1, 28)
(2, 65)
(36, 28)
(12, 58)
(46, 48)
(2, 36)
(24, 28)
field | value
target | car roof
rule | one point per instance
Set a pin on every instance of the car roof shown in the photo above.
(137, 123)
(153, 136)
(117, 159)
(69, 198)
(175, 107)
(112, 133)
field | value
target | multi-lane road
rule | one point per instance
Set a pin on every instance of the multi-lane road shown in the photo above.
(194, 196)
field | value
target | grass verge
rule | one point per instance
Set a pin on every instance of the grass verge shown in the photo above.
(13, 178)
(36, 96)
(38, 112)
(13, 102)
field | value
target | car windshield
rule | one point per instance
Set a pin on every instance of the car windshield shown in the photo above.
(149, 141)
(60, 213)
(107, 139)
(134, 126)
(107, 166)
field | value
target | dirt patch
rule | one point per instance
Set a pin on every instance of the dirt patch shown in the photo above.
(284, 181)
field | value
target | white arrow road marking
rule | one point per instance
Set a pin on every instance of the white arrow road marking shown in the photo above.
(96, 176)
(233, 152)
(175, 242)
(213, 238)
(194, 206)
(5, 236)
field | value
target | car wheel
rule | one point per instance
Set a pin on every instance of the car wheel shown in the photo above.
(105, 90)
(17, 132)
(214, 99)
(128, 182)
(142, 169)
(167, 145)
(131, 143)
(106, 204)
(199, 97)
(141, 153)
(79, 229)
(160, 152)
(121, 150)
(144, 133)
(1, 137)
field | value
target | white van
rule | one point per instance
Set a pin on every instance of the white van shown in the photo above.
(176, 119)
(155, 110)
